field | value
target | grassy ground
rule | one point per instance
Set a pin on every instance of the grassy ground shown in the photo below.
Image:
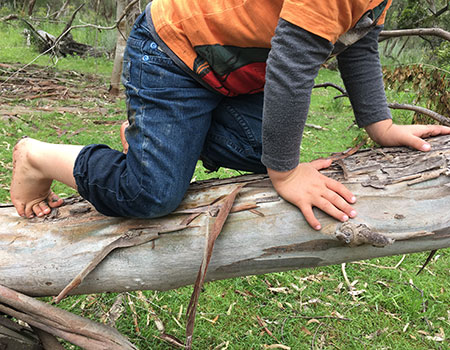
(305, 309)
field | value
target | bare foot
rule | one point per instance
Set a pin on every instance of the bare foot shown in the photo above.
(30, 188)
(122, 136)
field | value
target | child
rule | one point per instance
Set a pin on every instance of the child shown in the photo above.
(228, 82)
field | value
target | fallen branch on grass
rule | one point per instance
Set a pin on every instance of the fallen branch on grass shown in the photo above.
(271, 237)
(237, 226)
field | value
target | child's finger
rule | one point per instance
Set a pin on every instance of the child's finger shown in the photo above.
(340, 189)
(341, 205)
(328, 207)
(417, 143)
(319, 164)
(308, 213)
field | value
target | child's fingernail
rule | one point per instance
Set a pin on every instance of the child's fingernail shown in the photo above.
(426, 147)
(353, 199)
(352, 213)
(345, 218)
(318, 227)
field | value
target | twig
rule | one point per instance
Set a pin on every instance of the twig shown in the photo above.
(348, 152)
(68, 26)
(313, 340)
(114, 26)
(347, 281)
(380, 266)
(430, 256)
(400, 262)
(386, 34)
(263, 325)
(337, 87)
(373, 265)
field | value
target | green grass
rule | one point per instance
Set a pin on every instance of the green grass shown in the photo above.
(304, 309)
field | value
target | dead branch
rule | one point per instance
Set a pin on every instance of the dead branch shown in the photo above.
(441, 33)
(337, 87)
(48, 340)
(422, 110)
(61, 10)
(9, 18)
(115, 25)
(75, 329)
(68, 26)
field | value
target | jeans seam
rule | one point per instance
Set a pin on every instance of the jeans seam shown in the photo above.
(243, 124)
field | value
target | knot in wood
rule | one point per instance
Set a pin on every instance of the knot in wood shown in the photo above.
(358, 234)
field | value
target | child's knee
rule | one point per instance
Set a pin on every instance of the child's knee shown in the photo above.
(150, 205)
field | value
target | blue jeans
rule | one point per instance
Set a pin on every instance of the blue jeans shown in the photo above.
(174, 121)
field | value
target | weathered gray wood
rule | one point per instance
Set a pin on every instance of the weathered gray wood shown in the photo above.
(13, 336)
(400, 192)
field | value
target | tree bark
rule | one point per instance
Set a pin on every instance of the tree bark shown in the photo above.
(402, 195)
(31, 4)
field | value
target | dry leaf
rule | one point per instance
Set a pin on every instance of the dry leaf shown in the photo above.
(337, 314)
(406, 327)
(222, 346)
(283, 290)
(435, 338)
(230, 308)
(356, 292)
(313, 320)
(277, 346)
(306, 330)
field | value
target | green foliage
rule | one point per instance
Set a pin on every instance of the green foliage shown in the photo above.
(413, 15)
(430, 86)
(443, 55)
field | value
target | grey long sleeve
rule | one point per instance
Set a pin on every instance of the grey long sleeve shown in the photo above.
(292, 66)
(361, 72)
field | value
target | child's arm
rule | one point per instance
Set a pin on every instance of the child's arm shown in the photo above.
(293, 63)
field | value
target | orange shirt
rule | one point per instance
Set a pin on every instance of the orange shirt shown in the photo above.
(226, 42)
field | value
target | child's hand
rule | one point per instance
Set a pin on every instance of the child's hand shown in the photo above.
(305, 187)
(387, 133)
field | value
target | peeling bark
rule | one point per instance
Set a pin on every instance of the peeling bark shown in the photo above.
(403, 198)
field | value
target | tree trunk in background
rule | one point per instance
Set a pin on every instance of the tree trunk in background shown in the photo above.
(114, 86)
(401, 194)
(31, 4)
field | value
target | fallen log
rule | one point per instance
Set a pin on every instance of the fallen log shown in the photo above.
(403, 201)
